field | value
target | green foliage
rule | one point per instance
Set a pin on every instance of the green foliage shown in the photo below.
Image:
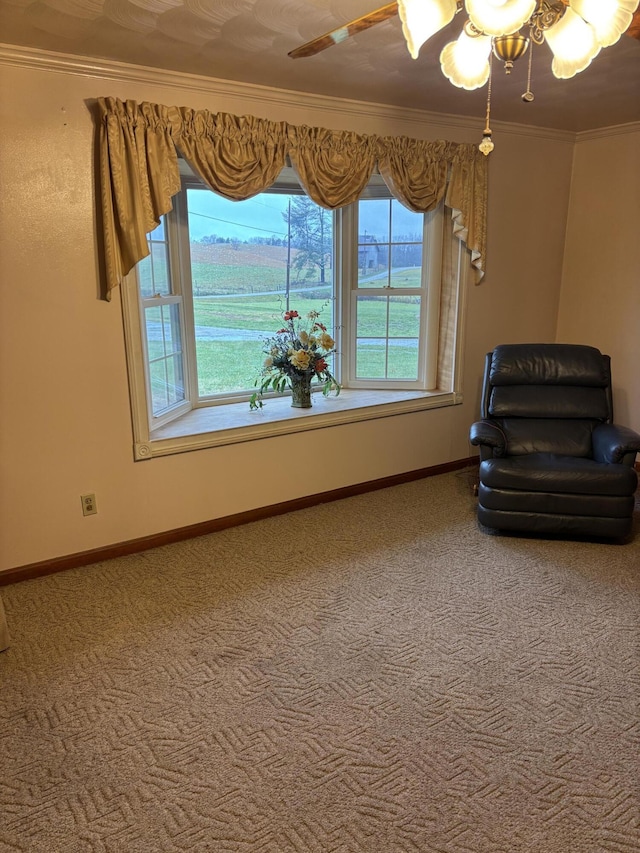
(276, 383)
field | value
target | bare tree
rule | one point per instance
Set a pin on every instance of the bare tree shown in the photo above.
(312, 235)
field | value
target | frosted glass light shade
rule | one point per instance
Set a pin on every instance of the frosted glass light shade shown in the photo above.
(465, 62)
(609, 18)
(574, 45)
(499, 17)
(423, 18)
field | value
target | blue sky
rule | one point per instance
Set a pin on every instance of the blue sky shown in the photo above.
(260, 216)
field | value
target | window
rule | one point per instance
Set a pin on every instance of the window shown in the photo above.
(388, 324)
(220, 273)
(161, 306)
(393, 293)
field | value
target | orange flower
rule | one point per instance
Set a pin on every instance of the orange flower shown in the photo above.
(321, 365)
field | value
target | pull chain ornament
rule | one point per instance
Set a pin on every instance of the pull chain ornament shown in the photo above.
(528, 96)
(487, 146)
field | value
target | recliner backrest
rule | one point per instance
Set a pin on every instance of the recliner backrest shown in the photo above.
(547, 397)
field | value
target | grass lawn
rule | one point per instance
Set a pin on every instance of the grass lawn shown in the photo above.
(264, 313)
(225, 366)
(228, 366)
(399, 278)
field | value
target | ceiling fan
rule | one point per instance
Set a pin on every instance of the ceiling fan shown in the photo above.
(384, 13)
(575, 30)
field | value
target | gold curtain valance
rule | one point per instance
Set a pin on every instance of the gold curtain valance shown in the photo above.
(241, 156)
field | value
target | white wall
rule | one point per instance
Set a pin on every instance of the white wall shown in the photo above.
(600, 298)
(65, 423)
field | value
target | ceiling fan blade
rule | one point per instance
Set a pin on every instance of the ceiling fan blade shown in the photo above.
(634, 26)
(342, 33)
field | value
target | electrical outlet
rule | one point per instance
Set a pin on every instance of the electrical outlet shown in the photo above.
(89, 506)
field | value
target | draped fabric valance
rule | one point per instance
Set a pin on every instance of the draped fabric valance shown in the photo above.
(241, 156)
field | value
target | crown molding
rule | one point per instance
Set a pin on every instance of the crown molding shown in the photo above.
(106, 69)
(606, 132)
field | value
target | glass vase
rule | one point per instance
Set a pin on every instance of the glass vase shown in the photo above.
(301, 390)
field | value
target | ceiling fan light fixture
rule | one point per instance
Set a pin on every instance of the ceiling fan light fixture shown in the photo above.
(423, 18)
(499, 17)
(573, 43)
(465, 62)
(609, 18)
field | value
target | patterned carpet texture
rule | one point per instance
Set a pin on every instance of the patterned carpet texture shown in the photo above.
(376, 674)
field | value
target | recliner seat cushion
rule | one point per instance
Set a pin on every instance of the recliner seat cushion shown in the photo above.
(548, 472)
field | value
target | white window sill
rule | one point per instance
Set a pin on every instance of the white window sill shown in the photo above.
(213, 426)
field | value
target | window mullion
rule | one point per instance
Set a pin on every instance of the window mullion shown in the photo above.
(347, 245)
(388, 318)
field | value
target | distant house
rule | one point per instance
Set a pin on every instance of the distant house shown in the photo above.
(371, 254)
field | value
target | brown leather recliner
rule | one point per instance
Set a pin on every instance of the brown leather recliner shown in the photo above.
(551, 460)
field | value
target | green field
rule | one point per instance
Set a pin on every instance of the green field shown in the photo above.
(229, 365)
(225, 366)
(219, 279)
(399, 278)
(224, 278)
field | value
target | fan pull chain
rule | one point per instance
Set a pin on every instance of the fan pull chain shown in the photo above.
(487, 146)
(528, 96)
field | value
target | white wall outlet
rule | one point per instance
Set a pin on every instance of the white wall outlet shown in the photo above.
(89, 506)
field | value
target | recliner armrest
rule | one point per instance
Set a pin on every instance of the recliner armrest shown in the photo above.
(487, 434)
(611, 443)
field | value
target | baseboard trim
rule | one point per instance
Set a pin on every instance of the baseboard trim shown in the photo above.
(133, 546)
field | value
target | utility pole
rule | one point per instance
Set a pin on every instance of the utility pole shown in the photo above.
(321, 245)
(288, 286)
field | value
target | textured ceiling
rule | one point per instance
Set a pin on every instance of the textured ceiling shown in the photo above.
(248, 41)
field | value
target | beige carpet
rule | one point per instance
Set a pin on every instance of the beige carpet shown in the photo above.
(375, 674)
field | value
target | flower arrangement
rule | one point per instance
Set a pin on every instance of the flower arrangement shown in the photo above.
(295, 355)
